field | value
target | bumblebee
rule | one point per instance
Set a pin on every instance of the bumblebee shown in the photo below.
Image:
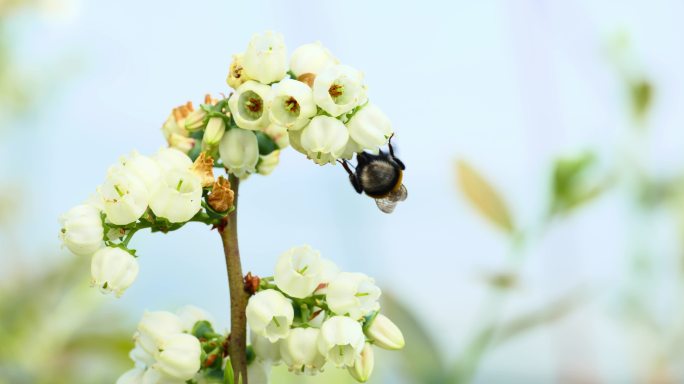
(380, 177)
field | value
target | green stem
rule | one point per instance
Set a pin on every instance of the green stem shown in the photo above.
(237, 348)
(129, 236)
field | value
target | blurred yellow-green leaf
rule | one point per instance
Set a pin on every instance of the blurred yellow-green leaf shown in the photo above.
(575, 182)
(484, 197)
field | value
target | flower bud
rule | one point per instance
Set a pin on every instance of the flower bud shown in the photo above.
(370, 128)
(239, 151)
(265, 59)
(300, 351)
(178, 197)
(324, 139)
(175, 123)
(278, 134)
(298, 271)
(154, 327)
(236, 75)
(203, 167)
(214, 131)
(221, 197)
(182, 143)
(295, 140)
(249, 105)
(292, 105)
(195, 120)
(170, 159)
(82, 230)
(311, 58)
(124, 196)
(385, 334)
(339, 89)
(329, 272)
(363, 365)
(113, 270)
(179, 356)
(354, 294)
(270, 314)
(341, 340)
(265, 350)
(189, 315)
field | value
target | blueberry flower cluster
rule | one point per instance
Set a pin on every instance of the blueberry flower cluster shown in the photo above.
(161, 192)
(167, 350)
(317, 105)
(310, 313)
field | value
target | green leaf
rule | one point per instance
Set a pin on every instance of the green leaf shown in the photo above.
(484, 197)
(266, 144)
(572, 183)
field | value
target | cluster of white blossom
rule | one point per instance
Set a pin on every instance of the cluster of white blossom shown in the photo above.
(161, 192)
(310, 313)
(166, 349)
(316, 104)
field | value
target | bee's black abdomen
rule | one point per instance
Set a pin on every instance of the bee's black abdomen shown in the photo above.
(379, 176)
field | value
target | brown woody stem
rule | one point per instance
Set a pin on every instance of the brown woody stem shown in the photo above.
(238, 297)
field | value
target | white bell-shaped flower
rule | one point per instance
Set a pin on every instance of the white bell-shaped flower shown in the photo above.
(292, 104)
(370, 128)
(341, 340)
(178, 197)
(259, 372)
(124, 196)
(354, 294)
(324, 139)
(298, 271)
(154, 327)
(300, 351)
(350, 149)
(179, 356)
(145, 168)
(140, 356)
(154, 376)
(189, 315)
(264, 349)
(82, 230)
(311, 58)
(239, 150)
(236, 75)
(250, 105)
(339, 89)
(132, 376)
(270, 314)
(363, 365)
(265, 59)
(172, 159)
(113, 270)
(329, 272)
(385, 334)
(268, 163)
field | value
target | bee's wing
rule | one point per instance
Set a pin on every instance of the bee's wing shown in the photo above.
(389, 202)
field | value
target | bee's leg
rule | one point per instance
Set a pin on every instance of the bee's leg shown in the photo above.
(391, 151)
(352, 176)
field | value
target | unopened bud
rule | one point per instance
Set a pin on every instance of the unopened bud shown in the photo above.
(195, 120)
(221, 197)
(204, 168)
(385, 334)
(214, 131)
(182, 143)
(363, 365)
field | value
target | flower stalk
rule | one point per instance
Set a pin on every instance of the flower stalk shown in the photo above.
(238, 297)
